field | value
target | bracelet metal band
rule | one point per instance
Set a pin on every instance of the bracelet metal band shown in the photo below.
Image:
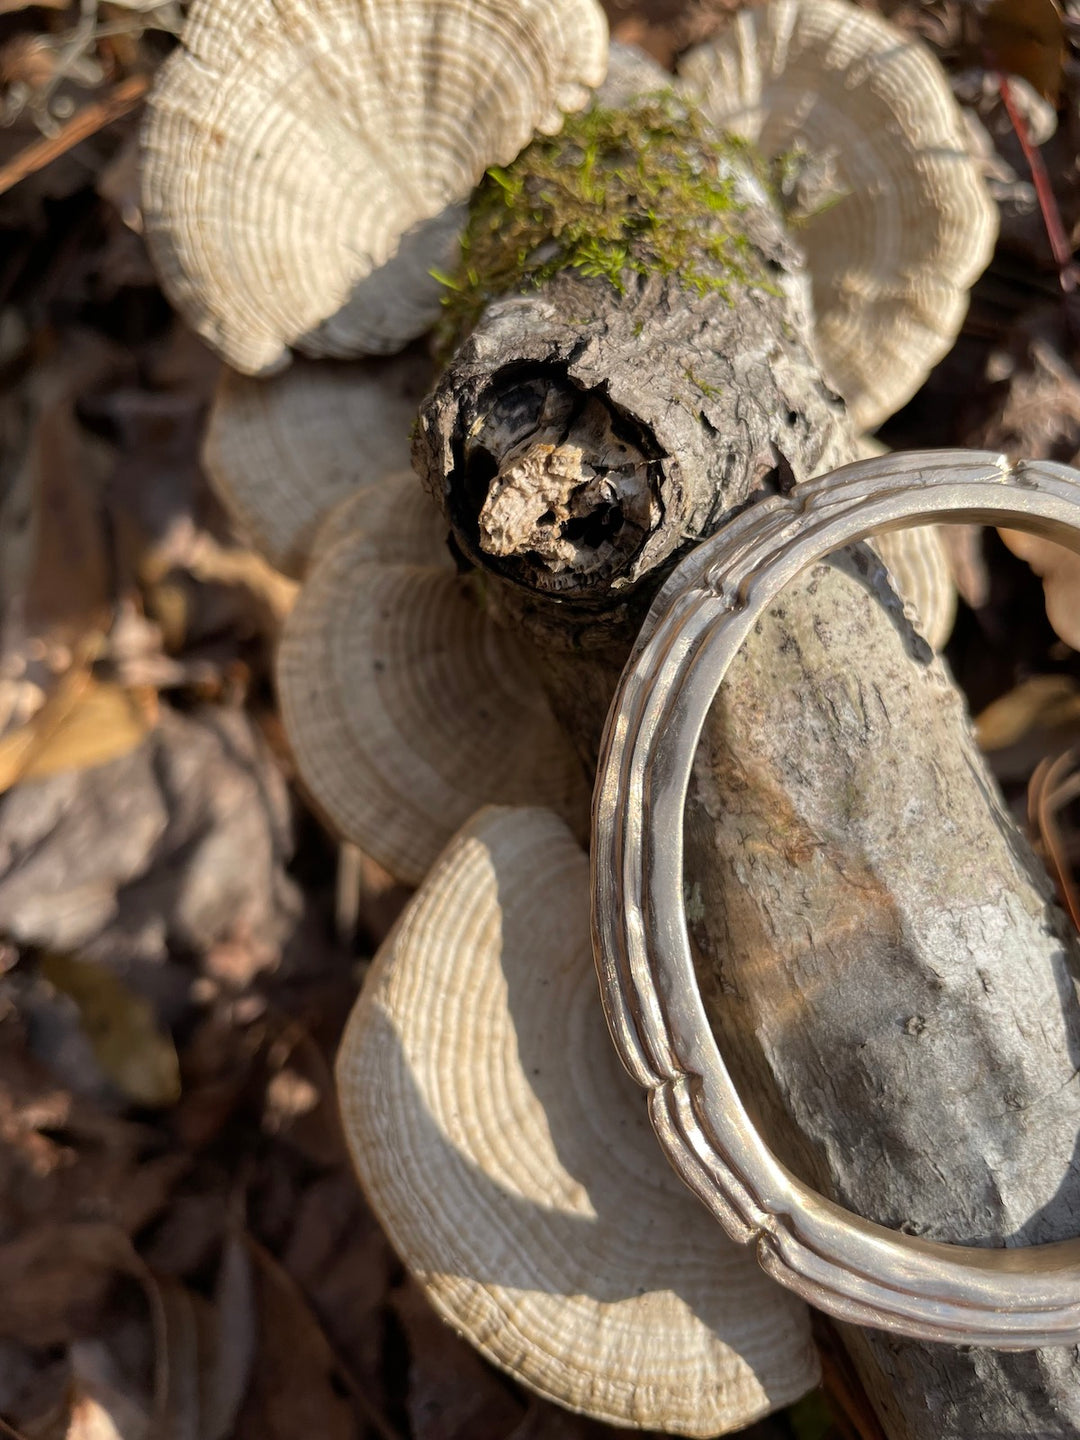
(860, 1271)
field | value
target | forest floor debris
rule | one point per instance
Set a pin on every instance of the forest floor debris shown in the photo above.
(183, 1248)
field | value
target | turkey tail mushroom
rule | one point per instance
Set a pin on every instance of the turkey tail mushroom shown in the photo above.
(281, 452)
(509, 1158)
(406, 706)
(305, 164)
(919, 563)
(882, 188)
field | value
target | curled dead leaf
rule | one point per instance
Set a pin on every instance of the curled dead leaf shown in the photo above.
(1059, 570)
(1042, 701)
(1027, 38)
(84, 722)
(296, 1376)
(206, 1350)
(211, 562)
(138, 1057)
(52, 1275)
(1054, 785)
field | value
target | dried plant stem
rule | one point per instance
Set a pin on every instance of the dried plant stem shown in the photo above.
(1048, 206)
(122, 99)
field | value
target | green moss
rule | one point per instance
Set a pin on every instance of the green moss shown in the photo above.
(711, 392)
(646, 190)
(476, 585)
(693, 903)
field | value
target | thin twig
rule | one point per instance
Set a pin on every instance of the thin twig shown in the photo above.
(1048, 206)
(88, 121)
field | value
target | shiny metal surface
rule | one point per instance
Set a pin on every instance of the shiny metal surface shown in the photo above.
(862, 1272)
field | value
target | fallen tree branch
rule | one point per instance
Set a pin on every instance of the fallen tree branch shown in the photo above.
(885, 970)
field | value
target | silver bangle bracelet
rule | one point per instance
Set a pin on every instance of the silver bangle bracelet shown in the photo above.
(1011, 1299)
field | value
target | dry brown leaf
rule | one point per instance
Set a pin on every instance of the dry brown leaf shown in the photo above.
(174, 847)
(1054, 785)
(1027, 38)
(345, 1266)
(70, 582)
(83, 723)
(121, 1026)
(664, 29)
(1038, 414)
(53, 1276)
(208, 1349)
(62, 1158)
(211, 562)
(229, 1372)
(1043, 701)
(184, 1339)
(301, 1104)
(452, 1394)
(545, 1421)
(1059, 570)
(293, 1388)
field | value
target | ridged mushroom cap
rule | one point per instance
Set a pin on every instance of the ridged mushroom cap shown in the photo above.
(406, 706)
(304, 164)
(904, 223)
(391, 522)
(510, 1160)
(918, 561)
(282, 451)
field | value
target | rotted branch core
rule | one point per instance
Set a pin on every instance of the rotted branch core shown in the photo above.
(568, 493)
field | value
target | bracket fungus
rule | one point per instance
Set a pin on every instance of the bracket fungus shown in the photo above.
(508, 1156)
(281, 452)
(919, 563)
(407, 707)
(305, 164)
(888, 200)
(305, 170)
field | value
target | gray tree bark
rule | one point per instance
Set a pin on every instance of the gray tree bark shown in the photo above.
(888, 976)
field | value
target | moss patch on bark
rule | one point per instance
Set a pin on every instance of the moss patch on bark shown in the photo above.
(617, 193)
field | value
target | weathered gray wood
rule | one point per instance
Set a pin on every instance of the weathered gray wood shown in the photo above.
(706, 398)
(887, 975)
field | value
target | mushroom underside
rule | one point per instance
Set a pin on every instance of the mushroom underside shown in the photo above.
(510, 1159)
(874, 159)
